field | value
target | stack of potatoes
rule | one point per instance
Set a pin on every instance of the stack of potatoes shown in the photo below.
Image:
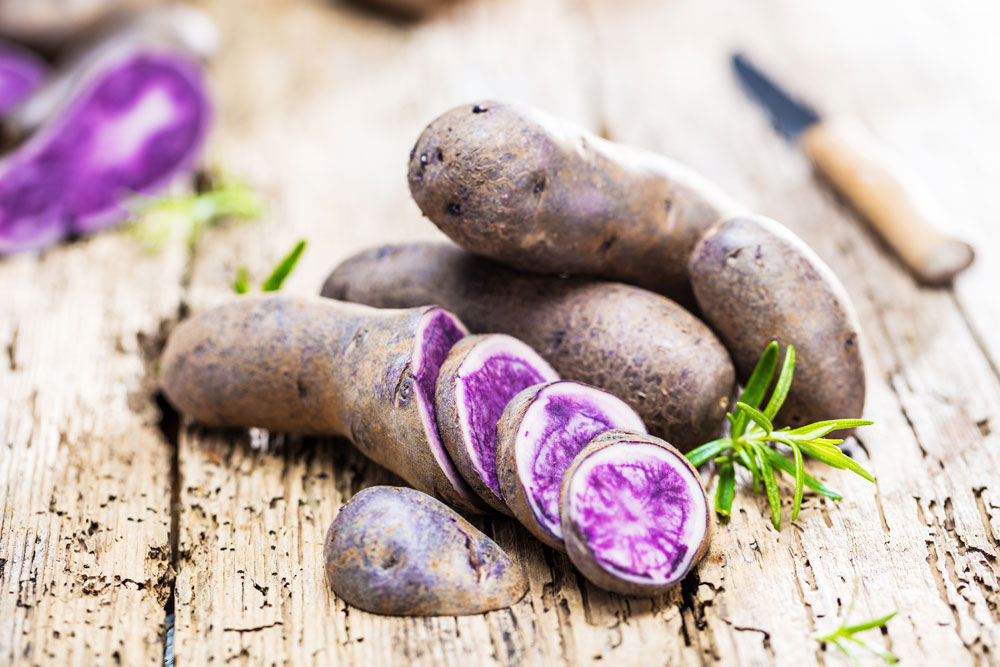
(545, 215)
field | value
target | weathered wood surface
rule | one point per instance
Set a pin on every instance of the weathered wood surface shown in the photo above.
(319, 106)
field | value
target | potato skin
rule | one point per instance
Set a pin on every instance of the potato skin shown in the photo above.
(312, 366)
(398, 551)
(755, 281)
(538, 194)
(638, 345)
(576, 546)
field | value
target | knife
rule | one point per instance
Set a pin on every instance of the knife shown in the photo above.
(850, 159)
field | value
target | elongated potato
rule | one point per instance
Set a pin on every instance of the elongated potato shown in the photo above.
(634, 514)
(398, 551)
(541, 195)
(640, 346)
(317, 366)
(755, 282)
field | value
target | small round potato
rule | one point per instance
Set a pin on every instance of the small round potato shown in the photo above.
(755, 281)
(398, 551)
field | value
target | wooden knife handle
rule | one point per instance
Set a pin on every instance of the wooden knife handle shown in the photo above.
(849, 158)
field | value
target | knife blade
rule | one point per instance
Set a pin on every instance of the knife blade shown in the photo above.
(850, 159)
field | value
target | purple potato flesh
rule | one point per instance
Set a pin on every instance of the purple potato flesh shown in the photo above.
(634, 514)
(20, 73)
(480, 377)
(132, 128)
(322, 367)
(540, 433)
(180, 28)
(400, 552)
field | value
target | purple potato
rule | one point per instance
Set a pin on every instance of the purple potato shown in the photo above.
(635, 517)
(536, 193)
(321, 367)
(132, 127)
(21, 72)
(180, 28)
(755, 282)
(400, 552)
(478, 379)
(638, 345)
(540, 433)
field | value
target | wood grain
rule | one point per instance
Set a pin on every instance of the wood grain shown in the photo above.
(85, 474)
(319, 105)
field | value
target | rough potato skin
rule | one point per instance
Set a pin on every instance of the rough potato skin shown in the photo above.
(398, 551)
(576, 547)
(312, 366)
(642, 347)
(755, 281)
(538, 194)
(507, 473)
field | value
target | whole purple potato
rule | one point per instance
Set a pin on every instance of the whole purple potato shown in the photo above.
(476, 382)
(318, 366)
(635, 518)
(398, 551)
(536, 193)
(638, 345)
(755, 281)
(539, 434)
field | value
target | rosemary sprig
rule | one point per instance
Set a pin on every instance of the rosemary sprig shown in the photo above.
(156, 220)
(273, 283)
(753, 439)
(845, 633)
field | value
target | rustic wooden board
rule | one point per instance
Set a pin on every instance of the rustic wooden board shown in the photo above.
(319, 106)
(85, 475)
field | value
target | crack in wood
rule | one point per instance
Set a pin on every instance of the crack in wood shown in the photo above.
(256, 628)
(984, 515)
(12, 350)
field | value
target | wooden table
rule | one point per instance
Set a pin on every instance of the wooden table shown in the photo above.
(116, 515)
